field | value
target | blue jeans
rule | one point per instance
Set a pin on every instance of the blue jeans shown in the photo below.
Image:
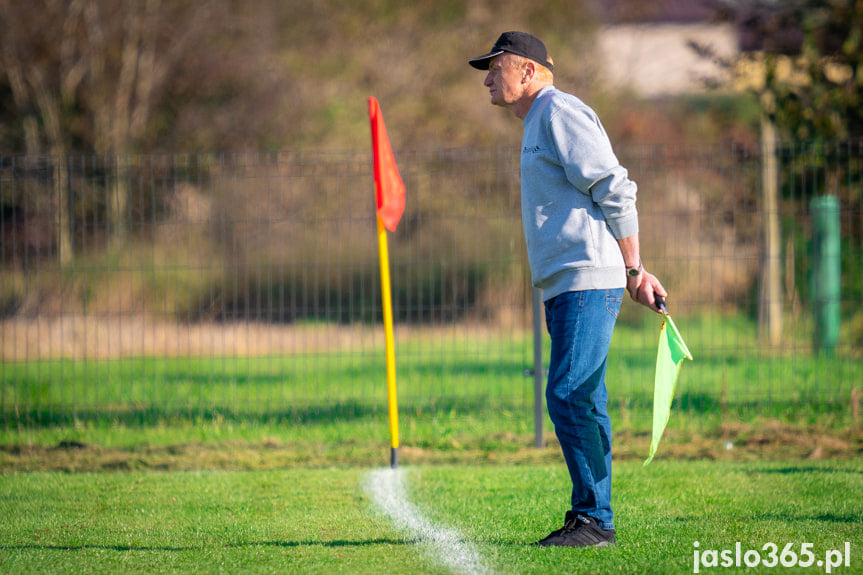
(580, 325)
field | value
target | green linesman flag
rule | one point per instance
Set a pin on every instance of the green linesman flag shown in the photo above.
(672, 351)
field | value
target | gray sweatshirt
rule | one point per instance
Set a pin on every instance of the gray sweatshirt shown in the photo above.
(576, 198)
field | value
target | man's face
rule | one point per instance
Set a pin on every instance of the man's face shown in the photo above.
(504, 81)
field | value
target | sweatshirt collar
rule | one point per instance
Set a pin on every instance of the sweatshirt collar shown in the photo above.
(539, 95)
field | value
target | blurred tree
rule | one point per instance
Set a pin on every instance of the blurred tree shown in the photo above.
(802, 57)
(130, 76)
(87, 74)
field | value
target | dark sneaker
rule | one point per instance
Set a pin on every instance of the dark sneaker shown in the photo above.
(578, 531)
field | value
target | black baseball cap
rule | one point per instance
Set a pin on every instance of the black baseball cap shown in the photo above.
(519, 43)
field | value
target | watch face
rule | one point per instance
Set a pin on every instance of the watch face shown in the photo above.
(633, 271)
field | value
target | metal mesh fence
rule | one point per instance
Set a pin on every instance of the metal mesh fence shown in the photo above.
(139, 288)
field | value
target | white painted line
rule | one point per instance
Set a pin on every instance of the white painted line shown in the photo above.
(387, 488)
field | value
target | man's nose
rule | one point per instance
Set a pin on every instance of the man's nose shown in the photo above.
(488, 80)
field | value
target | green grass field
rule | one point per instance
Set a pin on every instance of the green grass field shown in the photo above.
(325, 521)
(245, 465)
(444, 377)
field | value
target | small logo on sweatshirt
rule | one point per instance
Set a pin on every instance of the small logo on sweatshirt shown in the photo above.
(531, 150)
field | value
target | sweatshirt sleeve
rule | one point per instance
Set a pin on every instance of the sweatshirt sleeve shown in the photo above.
(591, 166)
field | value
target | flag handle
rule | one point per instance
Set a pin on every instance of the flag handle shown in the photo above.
(386, 299)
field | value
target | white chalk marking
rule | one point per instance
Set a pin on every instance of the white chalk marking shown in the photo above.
(387, 488)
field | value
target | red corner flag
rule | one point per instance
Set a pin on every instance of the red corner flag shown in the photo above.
(388, 182)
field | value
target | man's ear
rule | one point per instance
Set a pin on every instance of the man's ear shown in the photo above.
(529, 72)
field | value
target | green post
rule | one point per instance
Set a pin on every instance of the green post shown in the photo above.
(826, 271)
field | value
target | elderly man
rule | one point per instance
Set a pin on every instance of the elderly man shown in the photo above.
(581, 226)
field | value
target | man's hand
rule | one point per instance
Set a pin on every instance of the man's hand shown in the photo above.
(644, 288)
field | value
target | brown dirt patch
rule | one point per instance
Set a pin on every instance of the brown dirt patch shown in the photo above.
(770, 440)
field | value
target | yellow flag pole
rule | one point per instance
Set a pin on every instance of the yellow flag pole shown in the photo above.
(386, 298)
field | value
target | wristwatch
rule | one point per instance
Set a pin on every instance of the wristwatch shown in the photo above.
(636, 271)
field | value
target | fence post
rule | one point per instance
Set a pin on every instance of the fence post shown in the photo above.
(826, 271)
(770, 299)
(64, 209)
(537, 367)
